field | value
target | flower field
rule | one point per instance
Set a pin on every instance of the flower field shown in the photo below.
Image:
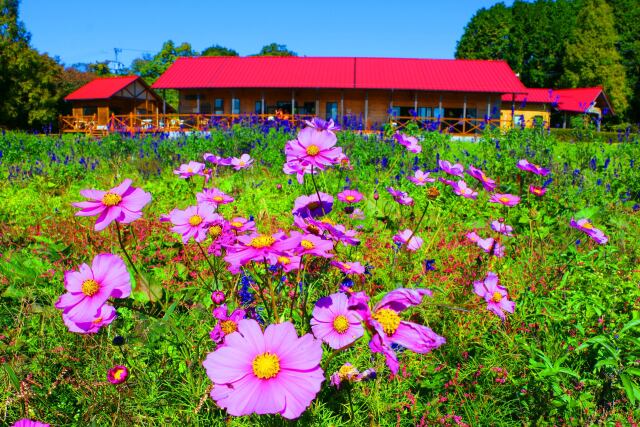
(255, 276)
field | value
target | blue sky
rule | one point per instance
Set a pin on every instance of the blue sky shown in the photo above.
(88, 31)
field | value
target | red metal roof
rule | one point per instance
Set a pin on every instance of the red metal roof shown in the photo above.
(576, 100)
(340, 73)
(101, 88)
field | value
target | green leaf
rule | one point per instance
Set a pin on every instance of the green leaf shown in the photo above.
(628, 388)
(12, 376)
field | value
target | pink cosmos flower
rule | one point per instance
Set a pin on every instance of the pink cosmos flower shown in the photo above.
(106, 314)
(90, 287)
(314, 205)
(295, 167)
(258, 247)
(118, 374)
(387, 328)
(274, 372)
(349, 267)
(400, 197)
(504, 199)
(217, 160)
(350, 196)
(473, 236)
(29, 423)
(537, 191)
(190, 169)
(357, 214)
(448, 182)
(313, 148)
(495, 295)
(587, 227)
(502, 228)
(410, 142)
(334, 323)
(455, 170)
(227, 324)
(123, 204)
(242, 225)
(319, 124)
(213, 196)
(327, 229)
(288, 262)
(243, 162)
(309, 244)
(420, 178)
(411, 241)
(531, 167)
(461, 189)
(222, 236)
(488, 183)
(193, 221)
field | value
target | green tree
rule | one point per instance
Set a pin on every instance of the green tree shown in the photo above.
(274, 49)
(627, 22)
(217, 50)
(151, 67)
(591, 56)
(486, 36)
(100, 69)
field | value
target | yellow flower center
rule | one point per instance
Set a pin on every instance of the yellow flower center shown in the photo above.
(237, 224)
(90, 287)
(307, 244)
(189, 170)
(350, 198)
(341, 324)
(262, 241)
(215, 231)
(266, 365)
(111, 199)
(347, 371)
(284, 260)
(228, 326)
(218, 198)
(313, 150)
(388, 319)
(328, 221)
(504, 199)
(241, 163)
(118, 373)
(497, 297)
(587, 225)
(195, 220)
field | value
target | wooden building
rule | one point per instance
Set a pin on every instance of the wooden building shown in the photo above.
(95, 104)
(553, 107)
(465, 95)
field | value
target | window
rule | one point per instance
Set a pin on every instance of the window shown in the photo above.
(141, 111)
(394, 111)
(89, 111)
(191, 97)
(205, 107)
(235, 106)
(308, 108)
(219, 106)
(425, 112)
(258, 109)
(438, 112)
(332, 110)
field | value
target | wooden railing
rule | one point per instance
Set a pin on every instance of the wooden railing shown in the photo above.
(150, 123)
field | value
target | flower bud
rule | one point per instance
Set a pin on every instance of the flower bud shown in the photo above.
(217, 297)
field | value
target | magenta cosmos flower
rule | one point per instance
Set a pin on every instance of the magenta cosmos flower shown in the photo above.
(531, 167)
(447, 167)
(29, 423)
(258, 247)
(123, 204)
(420, 178)
(194, 221)
(334, 323)
(488, 183)
(314, 205)
(500, 227)
(309, 244)
(313, 148)
(461, 189)
(319, 124)
(118, 374)
(274, 372)
(349, 267)
(388, 328)
(106, 314)
(213, 196)
(587, 227)
(400, 197)
(217, 160)
(495, 295)
(227, 323)
(409, 240)
(537, 191)
(504, 199)
(350, 196)
(243, 162)
(409, 142)
(190, 169)
(90, 287)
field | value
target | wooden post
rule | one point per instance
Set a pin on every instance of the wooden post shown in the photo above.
(164, 102)
(317, 104)
(262, 107)
(415, 103)
(599, 120)
(342, 108)
(513, 110)
(440, 113)
(489, 107)
(366, 110)
(464, 115)
(293, 102)
(564, 122)
(197, 103)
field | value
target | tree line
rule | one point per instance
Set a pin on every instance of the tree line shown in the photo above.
(564, 44)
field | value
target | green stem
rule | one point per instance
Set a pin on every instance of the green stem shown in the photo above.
(126, 254)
